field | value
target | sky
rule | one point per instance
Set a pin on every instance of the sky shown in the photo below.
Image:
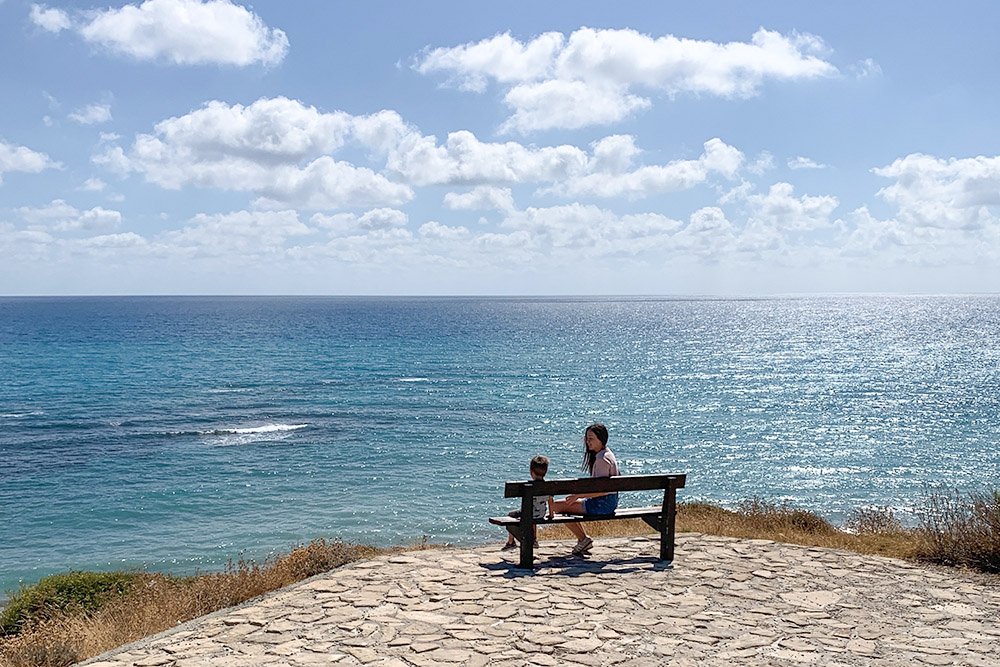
(452, 148)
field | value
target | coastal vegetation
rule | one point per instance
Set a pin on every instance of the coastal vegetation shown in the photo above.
(69, 617)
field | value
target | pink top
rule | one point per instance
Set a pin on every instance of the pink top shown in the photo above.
(605, 464)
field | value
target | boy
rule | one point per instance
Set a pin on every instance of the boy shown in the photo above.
(539, 466)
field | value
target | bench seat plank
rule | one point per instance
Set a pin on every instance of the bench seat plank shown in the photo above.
(620, 513)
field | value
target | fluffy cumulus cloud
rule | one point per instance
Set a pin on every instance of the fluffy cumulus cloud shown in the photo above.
(481, 198)
(946, 213)
(277, 148)
(956, 193)
(779, 209)
(591, 229)
(60, 216)
(92, 114)
(93, 185)
(610, 176)
(21, 158)
(52, 20)
(351, 223)
(465, 160)
(285, 152)
(708, 236)
(181, 32)
(800, 162)
(599, 76)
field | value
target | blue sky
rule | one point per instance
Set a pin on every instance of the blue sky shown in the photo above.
(312, 147)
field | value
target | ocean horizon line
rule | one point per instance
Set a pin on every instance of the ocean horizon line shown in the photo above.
(661, 296)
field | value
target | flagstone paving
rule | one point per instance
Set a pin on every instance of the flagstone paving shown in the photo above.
(724, 602)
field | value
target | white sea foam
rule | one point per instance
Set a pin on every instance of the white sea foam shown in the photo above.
(412, 379)
(269, 428)
(244, 436)
(19, 415)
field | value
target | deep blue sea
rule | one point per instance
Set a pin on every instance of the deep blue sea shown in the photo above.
(176, 433)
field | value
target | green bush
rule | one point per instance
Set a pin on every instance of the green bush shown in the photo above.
(69, 592)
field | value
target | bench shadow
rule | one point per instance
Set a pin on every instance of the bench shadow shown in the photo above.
(574, 566)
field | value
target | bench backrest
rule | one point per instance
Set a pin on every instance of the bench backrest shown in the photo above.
(553, 487)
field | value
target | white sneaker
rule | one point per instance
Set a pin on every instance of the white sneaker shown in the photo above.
(583, 546)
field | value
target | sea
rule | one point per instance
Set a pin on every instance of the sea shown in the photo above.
(178, 433)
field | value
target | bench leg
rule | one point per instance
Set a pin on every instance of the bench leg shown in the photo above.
(667, 529)
(527, 553)
(527, 533)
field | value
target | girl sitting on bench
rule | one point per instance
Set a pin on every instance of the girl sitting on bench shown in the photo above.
(599, 461)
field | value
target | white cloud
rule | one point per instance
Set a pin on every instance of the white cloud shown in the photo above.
(92, 114)
(718, 158)
(375, 219)
(464, 160)
(957, 193)
(737, 193)
(323, 184)
(614, 154)
(114, 241)
(568, 105)
(481, 198)
(502, 58)
(866, 68)
(588, 227)
(52, 20)
(93, 185)
(60, 216)
(276, 148)
(588, 78)
(20, 158)
(708, 235)
(804, 163)
(247, 233)
(435, 230)
(284, 152)
(761, 164)
(182, 32)
(780, 210)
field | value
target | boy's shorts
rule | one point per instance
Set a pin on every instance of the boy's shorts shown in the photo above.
(601, 505)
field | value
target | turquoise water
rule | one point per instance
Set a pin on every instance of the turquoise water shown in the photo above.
(175, 433)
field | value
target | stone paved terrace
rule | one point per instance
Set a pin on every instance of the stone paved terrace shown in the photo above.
(724, 602)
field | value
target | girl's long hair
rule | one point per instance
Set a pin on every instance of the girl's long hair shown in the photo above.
(589, 457)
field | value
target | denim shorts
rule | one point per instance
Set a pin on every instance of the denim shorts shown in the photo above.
(601, 504)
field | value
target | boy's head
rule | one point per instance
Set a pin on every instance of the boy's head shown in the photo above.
(539, 466)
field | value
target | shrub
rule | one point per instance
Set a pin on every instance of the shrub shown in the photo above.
(59, 594)
(770, 516)
(876, 520)
(89, 614)
(961, 530)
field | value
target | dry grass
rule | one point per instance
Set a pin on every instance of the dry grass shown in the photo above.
(156, 602)
(962, 530)
(876, 531)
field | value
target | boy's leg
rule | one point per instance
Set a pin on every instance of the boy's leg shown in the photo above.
(513, 536)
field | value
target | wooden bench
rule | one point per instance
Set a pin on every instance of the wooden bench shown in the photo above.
(660, 517)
